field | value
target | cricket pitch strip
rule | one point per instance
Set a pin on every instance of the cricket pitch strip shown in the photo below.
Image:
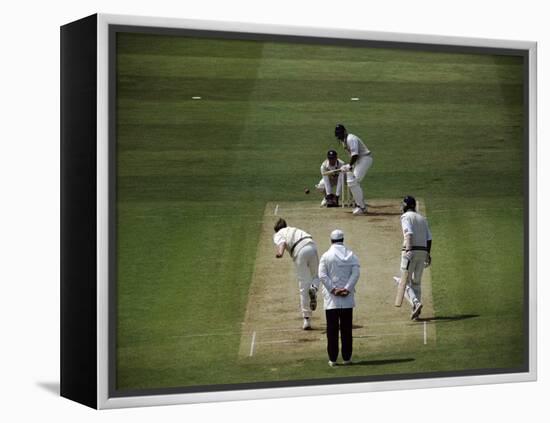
(272, 327)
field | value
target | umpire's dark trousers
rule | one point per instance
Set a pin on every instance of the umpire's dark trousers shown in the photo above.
(339, 320)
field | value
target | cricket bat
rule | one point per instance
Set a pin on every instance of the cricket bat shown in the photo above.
(331, 172)
(401, 288)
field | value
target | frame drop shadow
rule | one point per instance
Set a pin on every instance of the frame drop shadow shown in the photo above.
(448, 318)
(51, 387)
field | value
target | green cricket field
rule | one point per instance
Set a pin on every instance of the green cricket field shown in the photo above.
(216, 139)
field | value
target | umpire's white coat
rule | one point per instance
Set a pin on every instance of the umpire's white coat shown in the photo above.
(339, 268)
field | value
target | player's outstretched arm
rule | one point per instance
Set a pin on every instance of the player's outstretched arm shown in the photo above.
(280, 250)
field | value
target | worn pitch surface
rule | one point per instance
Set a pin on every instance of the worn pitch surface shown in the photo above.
(272, 325)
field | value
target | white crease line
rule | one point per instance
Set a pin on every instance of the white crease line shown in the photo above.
(425, 334)
(252, 344)
(357, 337)
(381, 335)
(366, 327)
(405, 323)
(276, 210)
(316, 208)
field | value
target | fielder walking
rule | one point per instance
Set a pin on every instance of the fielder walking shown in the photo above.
(339, 273)
(303, 251)
(415, 256)
(332, 180)
(356, 169)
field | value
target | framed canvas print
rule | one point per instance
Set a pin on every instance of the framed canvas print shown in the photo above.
(254, 211)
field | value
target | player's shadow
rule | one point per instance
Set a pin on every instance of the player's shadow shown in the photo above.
(381, 362)
(371, 213)
(383, 210)
(447, 318)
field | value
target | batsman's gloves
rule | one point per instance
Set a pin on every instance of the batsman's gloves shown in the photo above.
(408, 255)
(346, 168)
(428, 260)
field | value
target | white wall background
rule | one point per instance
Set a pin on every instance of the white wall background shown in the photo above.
(29, 236)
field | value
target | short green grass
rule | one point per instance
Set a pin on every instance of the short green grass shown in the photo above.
(194, 176)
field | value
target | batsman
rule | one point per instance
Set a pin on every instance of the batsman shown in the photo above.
(356, 169)
(415, 256)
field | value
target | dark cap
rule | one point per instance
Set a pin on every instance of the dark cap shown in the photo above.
(339, 131)
(332, 154)
(409, 203)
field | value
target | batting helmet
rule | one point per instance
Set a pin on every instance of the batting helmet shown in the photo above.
(332, 154)
(340, 131)
(409, 203)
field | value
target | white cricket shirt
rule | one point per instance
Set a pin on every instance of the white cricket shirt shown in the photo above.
(355, 147)
(292, 236)
(326, 167)
(415, 224)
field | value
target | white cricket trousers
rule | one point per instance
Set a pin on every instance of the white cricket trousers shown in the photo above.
(306, 262)
(326, 186)
(413, 291)
(360, 168)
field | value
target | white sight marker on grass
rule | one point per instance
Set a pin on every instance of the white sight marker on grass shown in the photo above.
(196, 98)
(354, 99)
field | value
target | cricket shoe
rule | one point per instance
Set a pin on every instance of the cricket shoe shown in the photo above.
(332, 363)
(417, 308)
(306, 325)
(359, 211)
(312, 298)
(324, 202)
(348, 362)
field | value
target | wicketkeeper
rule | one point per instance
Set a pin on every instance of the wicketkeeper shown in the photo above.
(415, 256)
(332, 180)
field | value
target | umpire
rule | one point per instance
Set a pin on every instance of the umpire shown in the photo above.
(339, 273)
